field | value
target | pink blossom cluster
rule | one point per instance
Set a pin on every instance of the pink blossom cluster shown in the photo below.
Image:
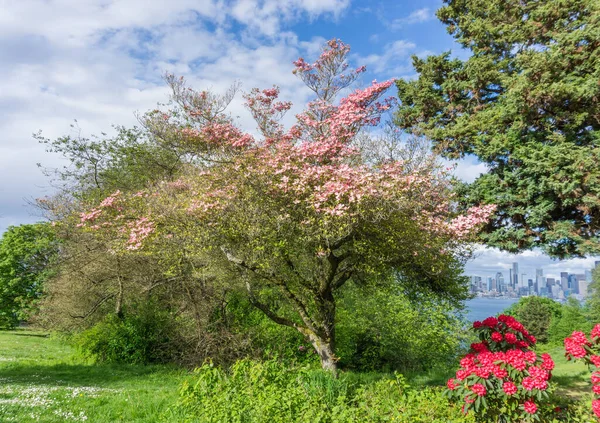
(578, 346)
(463, 225)
(225, 133)
(312, 166)
(504, 362)
(139, 231)
(95, 213)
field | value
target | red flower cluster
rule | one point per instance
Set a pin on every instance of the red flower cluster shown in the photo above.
(502, 368)
(578, 346)
(530, 407)
(575, 345)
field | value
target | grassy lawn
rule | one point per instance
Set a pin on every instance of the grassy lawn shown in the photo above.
(42, 381)
(573, 378)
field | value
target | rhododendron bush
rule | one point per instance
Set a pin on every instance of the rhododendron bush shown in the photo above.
(296, 212)
(502, 379)
(579, 346)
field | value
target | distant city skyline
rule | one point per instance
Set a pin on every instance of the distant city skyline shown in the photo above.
(504, 279)
(488, 261)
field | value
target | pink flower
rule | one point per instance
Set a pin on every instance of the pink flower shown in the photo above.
(496, 337)
(451, 385)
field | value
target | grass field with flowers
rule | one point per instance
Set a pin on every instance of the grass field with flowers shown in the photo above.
(42, 380)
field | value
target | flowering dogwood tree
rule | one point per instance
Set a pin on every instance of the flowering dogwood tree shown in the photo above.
(296, 211)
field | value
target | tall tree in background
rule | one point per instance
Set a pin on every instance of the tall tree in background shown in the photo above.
(527, 104)
(297, 213)
(26, 252)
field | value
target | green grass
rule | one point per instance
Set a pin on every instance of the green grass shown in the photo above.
(573, 378)
(41, 380)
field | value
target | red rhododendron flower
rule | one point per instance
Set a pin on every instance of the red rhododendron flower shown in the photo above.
(479, 389)
(547, 363)
(511, 338)
(530, 407)
(477, 324)
(496, 337)
(596, 407)
(595, 332)
(596, 360)
(509, 388)
(596, 378)
(574, 348)
(528, 383)
(451, 385)
(579, 338)
(490, 322)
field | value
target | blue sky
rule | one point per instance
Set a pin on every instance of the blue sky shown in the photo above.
(100, 61)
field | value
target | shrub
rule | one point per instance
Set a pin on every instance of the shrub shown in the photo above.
(578, 346)
(382, 328)
(268, 391)
(502, 379)
(139, 338)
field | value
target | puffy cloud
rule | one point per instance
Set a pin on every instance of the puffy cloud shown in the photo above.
(417, 16)
(393, 61)
(100, 61)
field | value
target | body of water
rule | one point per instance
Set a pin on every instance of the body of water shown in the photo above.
(480, 308)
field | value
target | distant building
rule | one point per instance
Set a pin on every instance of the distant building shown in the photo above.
(515, 275)
(572, 285)
(564, 280)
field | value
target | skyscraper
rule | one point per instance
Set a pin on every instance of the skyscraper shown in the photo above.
(515, 275)
(564, 280)
(539, 280)
(500, 282)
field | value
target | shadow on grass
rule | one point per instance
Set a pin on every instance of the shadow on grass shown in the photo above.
(100, 375)
(575, 385)
(38, 335)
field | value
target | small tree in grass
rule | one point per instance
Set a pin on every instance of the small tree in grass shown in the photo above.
(297, 213)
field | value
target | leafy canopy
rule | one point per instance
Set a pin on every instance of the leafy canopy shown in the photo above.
(298, 212)
(526, 103)
(26, 252)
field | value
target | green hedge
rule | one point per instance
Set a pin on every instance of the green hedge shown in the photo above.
(271, 392)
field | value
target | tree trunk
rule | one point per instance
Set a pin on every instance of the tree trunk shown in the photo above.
(325, 348)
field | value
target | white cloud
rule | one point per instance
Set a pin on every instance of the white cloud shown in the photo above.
(100, 61)
(417, 16)
(393, 61)
(468, 169)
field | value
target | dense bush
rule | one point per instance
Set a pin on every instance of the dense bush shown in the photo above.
(137, 338)
(272, 392)
(572, 318)
(536, 314)
(385, 329)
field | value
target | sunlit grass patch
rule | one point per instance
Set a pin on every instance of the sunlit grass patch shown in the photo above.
(41, 380)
